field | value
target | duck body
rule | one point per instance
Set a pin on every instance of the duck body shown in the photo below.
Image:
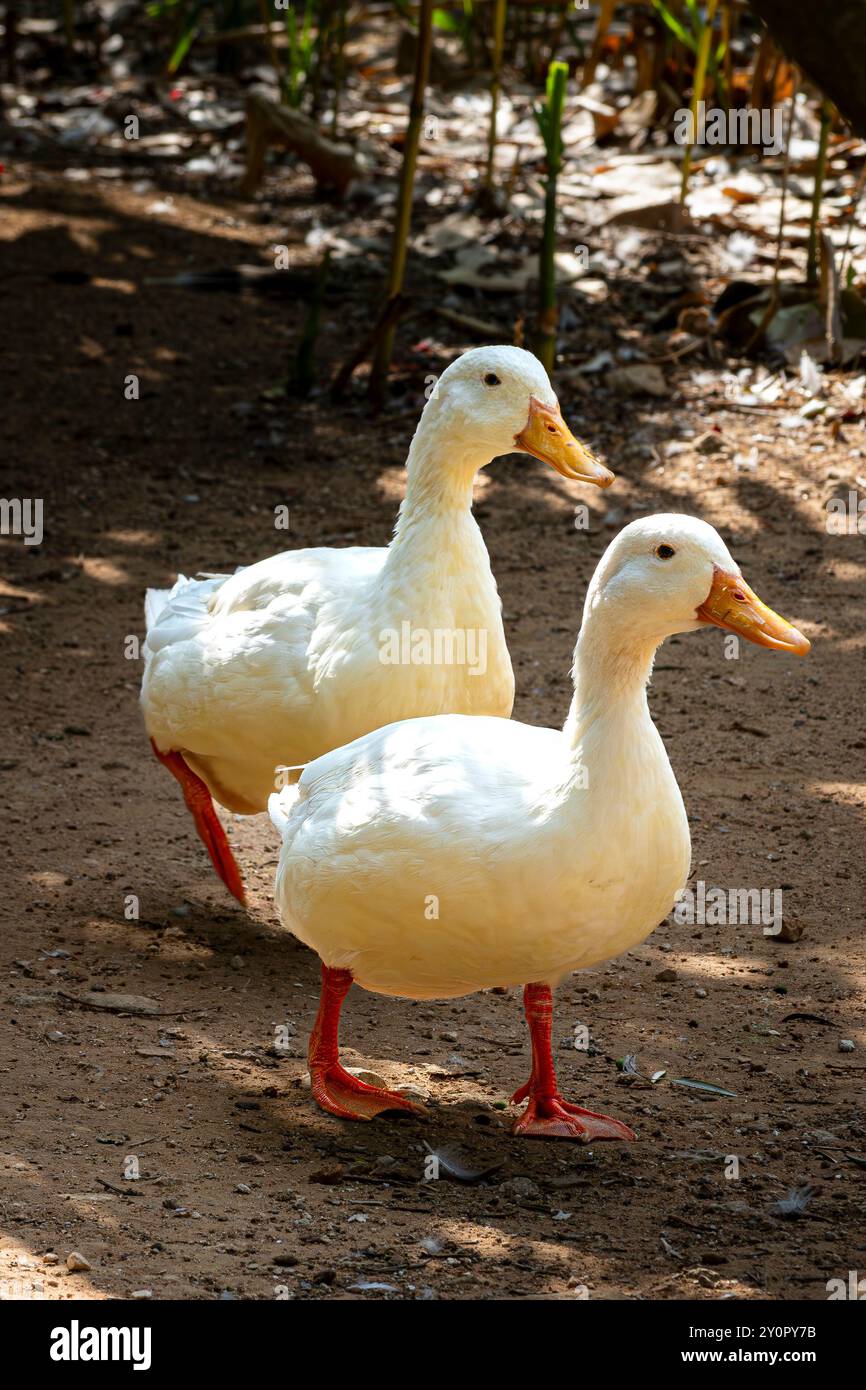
(309, 649)
(442, 856)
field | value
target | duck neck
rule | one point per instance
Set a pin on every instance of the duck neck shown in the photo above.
(436, 513)
(611, 672)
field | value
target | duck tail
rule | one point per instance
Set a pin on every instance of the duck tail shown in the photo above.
(155, 601)
(280, 807)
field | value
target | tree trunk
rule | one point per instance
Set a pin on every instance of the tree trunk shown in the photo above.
(829, 43)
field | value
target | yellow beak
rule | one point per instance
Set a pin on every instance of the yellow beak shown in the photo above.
(731, 604)
(547, 437)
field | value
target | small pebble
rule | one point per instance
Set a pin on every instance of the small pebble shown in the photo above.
(846, 1045)
(76, 1263)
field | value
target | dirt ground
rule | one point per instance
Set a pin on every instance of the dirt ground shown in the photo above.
(245, 1189)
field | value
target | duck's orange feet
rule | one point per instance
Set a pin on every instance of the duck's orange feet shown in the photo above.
(335, 1089)
(548, 1116)
(200, 805)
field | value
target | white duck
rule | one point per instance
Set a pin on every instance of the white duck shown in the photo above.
(445, 855)
(307, 650)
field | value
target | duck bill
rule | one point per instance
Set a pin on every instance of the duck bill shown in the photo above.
(547, 437)
(731, 604)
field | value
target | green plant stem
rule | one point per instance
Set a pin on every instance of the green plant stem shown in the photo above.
(701, 63)
(495, 76)
(385, 345)
(550, 122)
(812, 254)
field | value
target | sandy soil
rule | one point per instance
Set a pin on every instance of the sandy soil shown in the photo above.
(245, 1189)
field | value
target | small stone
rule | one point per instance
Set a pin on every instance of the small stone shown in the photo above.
(520, 1190)
(237, 962)
(243, 1188)
(76, 1263)
(788, 931)
(414, 1093)
(369, 1078)
(700, 993)
(119, 1003)
(666, 977)
(846, 1045)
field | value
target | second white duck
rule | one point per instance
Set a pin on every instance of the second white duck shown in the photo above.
(446, 855)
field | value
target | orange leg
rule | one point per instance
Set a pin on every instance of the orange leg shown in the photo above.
(201, 807)
(334, 1088)
(548, 1116)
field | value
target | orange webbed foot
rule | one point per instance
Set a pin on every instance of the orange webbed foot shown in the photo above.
(340, 1093)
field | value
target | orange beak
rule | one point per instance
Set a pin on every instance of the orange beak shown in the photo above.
(731, 604)
(547, 437)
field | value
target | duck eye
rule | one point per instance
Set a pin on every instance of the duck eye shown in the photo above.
(665, 552)
(491, 379)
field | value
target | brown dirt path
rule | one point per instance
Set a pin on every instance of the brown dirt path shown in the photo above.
(244, 1187)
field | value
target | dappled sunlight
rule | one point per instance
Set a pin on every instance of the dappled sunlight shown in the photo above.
(8, 590)
(847, 644)
(102, 571)
(135, 539)
(851, 792)
(48, 878)
(101, 282)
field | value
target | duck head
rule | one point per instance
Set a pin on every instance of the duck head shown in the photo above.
(668, 573)
(501, 399)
